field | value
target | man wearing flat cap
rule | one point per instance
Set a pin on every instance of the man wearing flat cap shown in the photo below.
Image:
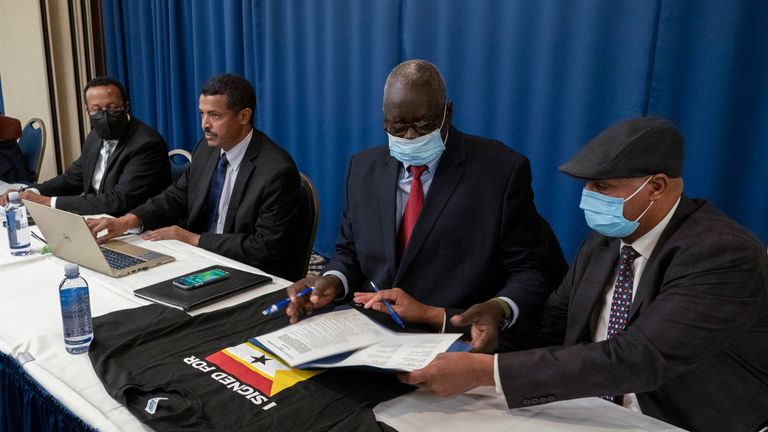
(664, 309)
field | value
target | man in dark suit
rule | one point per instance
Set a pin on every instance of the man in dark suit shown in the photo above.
(475, 234)
(664, 309)
(238, 198)
(123, 161)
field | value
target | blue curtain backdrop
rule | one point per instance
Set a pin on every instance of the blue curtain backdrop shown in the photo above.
(543, 77)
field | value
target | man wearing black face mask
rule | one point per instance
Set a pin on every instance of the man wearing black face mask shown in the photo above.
(123, 161)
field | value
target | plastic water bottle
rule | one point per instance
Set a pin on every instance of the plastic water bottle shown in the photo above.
(18, 225)
(75, 311)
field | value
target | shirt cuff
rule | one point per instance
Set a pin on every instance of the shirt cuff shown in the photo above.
(496, 376)
(136, 230)
(445, 320)
(515, 312)
(343, 281)
(53, 199)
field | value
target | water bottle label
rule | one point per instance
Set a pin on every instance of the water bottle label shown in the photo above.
(18, 230)
(76, 312)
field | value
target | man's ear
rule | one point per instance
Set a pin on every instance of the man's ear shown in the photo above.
(660, 184)
(245, 115)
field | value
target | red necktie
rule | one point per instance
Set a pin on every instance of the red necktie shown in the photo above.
(412, 207)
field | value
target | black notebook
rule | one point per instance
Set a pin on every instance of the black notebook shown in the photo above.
(168, 294)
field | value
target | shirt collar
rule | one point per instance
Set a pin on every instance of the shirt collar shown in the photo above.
(431, 166)
(645, 244)
(235, 154)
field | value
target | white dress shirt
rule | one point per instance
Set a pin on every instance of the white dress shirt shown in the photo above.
(107, 147)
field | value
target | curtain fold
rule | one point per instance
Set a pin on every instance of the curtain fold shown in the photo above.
(543, 77)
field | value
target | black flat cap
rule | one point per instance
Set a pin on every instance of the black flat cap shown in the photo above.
(631, 148)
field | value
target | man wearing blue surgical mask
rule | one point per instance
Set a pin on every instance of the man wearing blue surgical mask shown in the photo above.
(443, 218)
(664, 309)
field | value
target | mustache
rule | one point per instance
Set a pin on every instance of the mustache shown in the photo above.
(207, 130)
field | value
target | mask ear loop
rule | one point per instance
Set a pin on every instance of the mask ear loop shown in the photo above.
(635, 193)
(638, 189)
(644, 211)
(445, 111)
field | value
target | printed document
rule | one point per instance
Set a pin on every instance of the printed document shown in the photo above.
(349, 338)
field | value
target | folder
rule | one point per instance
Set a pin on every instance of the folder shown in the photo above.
(168, 294)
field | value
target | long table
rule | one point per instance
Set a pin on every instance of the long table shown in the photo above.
(31, 333)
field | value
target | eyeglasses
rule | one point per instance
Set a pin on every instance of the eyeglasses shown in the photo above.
(112, 110)
(420, 127)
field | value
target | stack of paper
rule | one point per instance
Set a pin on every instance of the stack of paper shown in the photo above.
(349, 338)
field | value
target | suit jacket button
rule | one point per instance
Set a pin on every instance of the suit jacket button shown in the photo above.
(551, 399)
(534, 401)
(526, 402)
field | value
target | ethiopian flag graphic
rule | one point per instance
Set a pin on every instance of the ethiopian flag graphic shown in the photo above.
(258, 368)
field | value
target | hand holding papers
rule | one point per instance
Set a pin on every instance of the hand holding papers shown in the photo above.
(353, 340)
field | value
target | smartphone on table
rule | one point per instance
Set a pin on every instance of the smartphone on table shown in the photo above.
(198, 280)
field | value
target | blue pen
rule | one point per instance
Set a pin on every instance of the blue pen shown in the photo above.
(392, 312)
(282, 304)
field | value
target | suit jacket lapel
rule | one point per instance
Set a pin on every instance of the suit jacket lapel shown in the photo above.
(122, 142)
(112, 158)
(449, 173)
(247, 166)
(586, 303)
(646, 287)
(89, 160)
(390, 168)
(200, 186)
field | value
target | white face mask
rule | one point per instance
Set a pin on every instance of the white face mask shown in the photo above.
(419, 150)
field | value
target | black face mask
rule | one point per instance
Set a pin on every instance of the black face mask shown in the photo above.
(109, 125)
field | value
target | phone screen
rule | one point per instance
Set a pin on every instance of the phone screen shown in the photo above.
(200, 279)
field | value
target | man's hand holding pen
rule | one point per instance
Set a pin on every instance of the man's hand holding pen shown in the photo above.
(326, 289)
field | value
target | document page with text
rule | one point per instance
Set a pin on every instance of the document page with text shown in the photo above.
(324, 335)
(404, 352)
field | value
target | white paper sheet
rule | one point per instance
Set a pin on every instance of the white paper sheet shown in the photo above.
(402, 352)
(324, 335)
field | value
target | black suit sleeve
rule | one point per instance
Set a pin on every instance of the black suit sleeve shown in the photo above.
(268, 241)
(167, 208)
(141, 173)
(345, 259)
(523, 244)
(69, 183)
(709, 294)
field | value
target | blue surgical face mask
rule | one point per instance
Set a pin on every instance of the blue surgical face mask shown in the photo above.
(419, 150)
(605, 214)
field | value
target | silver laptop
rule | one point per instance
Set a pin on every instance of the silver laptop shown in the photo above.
(69, 238)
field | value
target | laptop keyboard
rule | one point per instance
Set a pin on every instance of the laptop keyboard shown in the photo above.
(118, 260)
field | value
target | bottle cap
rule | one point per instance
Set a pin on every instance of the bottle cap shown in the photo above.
(71, 269)
(13, 196)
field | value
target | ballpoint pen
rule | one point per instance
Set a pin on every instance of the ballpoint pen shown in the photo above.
(392, 312)
(46, 249)
(282, 304)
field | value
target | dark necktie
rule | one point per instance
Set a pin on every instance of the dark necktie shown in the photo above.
(412, 207)
(622, 300)
(214, 191)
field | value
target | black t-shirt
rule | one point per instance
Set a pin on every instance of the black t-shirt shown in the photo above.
(174, 371)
